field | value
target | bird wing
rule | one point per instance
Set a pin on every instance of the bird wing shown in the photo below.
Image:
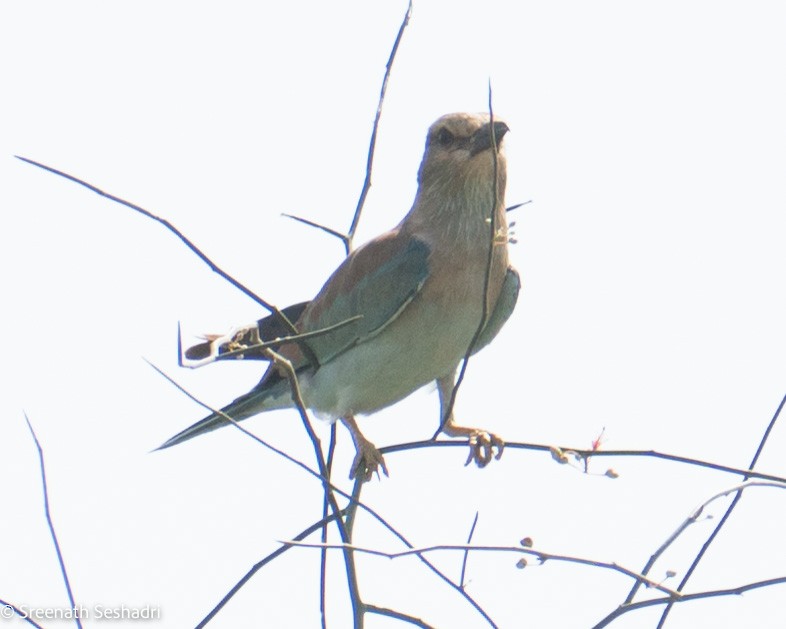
(502, 310)
(375, 283)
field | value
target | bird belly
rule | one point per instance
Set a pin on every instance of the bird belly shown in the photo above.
(423, 344)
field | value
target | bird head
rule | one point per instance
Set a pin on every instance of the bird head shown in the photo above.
(460, 153)
(456, 178)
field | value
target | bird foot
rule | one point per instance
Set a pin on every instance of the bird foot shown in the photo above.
(481, 447)
(367, 462)
(368, 459)
(481, 442)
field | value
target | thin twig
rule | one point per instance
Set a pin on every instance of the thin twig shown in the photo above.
(519, 550)
(261, 564)
(320, 460)
(373, 142)
(374, 514)
(382, 611)
(347, 239)
(462, 582)
(286, 366)
(352, 582)
(234, 422)
(693, 518)
(283, 340)
(727, 514)
(350, 519)
(486, 277)
(213, 267)
(307, 352)
(538, 447)
(684, 598)
(325, 507)
(20, 613)
(325, 229)
(343, 238)
(51, 525)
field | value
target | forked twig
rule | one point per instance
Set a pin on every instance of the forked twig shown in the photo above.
(310, 223)
(354, 498)
(261, 564)
(373, 142)
(516, 550)
(347, 239)
(186, 241)
(728, 512)
(692, 519)
(287, 368)
(289, 372)
(684, 598)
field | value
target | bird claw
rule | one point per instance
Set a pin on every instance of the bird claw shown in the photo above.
(481, 447)
(367, 462)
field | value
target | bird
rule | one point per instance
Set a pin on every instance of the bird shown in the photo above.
(412, 301)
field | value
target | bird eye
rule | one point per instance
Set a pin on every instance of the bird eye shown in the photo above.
(445, 137)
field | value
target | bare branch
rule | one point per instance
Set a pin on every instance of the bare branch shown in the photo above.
(289, 372)
(538, 447)
(373, 142)
(214, 267)
(354, 499)
(325, 509)
(352, 582)
(519, 550)
(728, 512)
(186, 241)
(343, 238)
(347, 239)
(51, 525)
(217, 343)
(684, 598)
(486, 280)
(20, 613)
(382, 611)
(462, 582)
(691, 519)
(261, 564)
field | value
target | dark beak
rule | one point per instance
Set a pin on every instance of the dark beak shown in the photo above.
(482, 140)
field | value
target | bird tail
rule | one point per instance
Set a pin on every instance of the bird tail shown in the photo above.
(252, 403)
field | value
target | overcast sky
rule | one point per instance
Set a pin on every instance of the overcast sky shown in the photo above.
(651, 140)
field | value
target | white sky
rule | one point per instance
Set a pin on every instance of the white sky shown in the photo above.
(652, 142)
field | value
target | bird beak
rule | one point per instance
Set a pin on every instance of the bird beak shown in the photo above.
(482, 138)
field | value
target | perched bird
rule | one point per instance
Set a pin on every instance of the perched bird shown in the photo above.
(421, 291)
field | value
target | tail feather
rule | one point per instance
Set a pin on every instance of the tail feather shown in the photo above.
(242, 408)
(273, 392)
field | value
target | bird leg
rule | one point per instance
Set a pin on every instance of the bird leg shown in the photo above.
(481, 442)
(367, 458)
